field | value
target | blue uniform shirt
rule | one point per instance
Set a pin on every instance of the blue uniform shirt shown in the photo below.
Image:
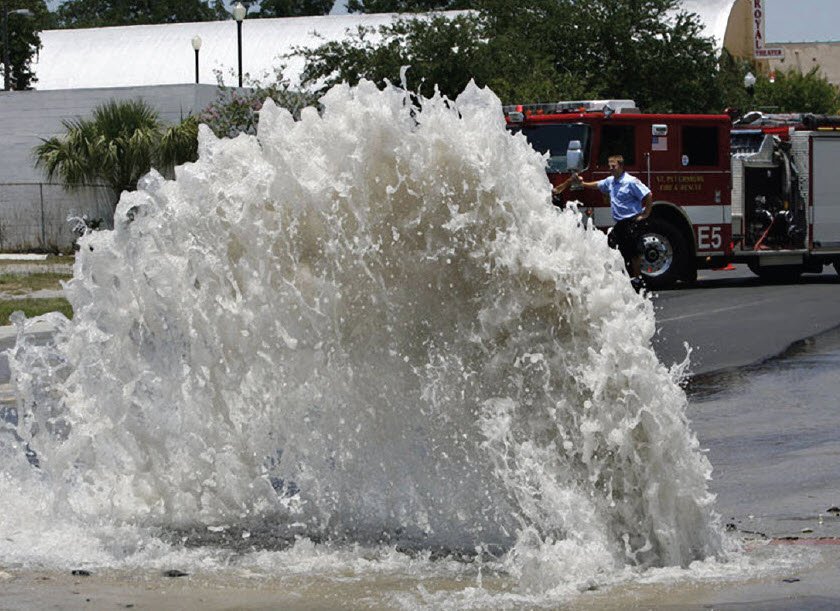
(626, 194)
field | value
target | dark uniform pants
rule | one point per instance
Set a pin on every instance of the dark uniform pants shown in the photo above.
(627, 237)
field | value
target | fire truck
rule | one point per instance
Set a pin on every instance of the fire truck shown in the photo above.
(764, 190)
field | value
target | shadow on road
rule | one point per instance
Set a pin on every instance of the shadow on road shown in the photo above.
(744, 278)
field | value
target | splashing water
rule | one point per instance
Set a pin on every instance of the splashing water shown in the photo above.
(367, 325)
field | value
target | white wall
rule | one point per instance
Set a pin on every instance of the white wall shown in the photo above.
(33, 215)
(163, 54)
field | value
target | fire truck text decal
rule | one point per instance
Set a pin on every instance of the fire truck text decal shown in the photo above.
(709, 237)
(682, 183)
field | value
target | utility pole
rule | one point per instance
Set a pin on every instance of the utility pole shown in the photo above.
(7, 63)
(7, 82)
(239, 12)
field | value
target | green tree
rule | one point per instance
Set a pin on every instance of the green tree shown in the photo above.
(103, 13)
(118, 145)
(730, 83)
(528, 52)
(236, 111)
(442, 52)
(407, 6)
(790, 92)
(648, 50)
(794, 91)
(24, 39)
(290, 8)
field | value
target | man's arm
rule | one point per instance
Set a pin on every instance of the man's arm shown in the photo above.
(647, 202)
(563, 185)
(595, 184)
(574, 178)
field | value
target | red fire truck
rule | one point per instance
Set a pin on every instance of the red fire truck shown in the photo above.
(764, 191)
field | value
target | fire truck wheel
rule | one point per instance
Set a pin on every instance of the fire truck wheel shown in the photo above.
(664, 254)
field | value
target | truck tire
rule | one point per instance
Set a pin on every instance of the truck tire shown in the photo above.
(776, 274)
(664, 254)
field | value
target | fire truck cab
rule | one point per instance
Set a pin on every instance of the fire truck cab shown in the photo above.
(764, 191)
(684, 159)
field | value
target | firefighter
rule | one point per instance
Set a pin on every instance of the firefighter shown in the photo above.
(630, 202)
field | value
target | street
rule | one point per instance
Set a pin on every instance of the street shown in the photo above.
(731, 319)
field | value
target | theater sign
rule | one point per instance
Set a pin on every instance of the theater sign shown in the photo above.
(759, 50)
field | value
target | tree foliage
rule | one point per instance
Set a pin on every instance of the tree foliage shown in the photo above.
(236, 111)
(118, 145)
(794, 91)
(287, 8)
(24, 40)
(730, 83)
(407, 6)
(647, 50)
(441, 51)
(103, 13)
(790, 92)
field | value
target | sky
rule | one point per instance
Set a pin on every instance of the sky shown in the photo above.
(790, 20)
(802, 20)
(786, 20)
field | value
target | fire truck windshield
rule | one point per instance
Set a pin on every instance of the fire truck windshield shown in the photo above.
(554, 140)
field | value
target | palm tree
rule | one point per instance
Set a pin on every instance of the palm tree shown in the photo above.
(118, 145)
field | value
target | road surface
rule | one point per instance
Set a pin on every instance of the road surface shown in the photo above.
(732, 319)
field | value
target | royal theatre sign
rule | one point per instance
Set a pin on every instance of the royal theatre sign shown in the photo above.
(759, 50)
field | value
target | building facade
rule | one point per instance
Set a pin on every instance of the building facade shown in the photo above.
(37, 215)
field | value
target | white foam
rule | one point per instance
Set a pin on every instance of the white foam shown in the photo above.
(367, 325)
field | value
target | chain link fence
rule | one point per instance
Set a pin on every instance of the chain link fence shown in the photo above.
(38, 216)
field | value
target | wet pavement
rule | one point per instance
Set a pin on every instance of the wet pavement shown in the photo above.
(773, 436)
(731, 319)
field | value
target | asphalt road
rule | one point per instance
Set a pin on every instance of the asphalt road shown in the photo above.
(732, 319)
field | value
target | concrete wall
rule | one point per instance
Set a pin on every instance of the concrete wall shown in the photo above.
(804, 56)
(33, 214)
(28, 116)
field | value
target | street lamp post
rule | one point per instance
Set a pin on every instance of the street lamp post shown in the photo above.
(6, 63)
(749, 85)
(196, 45)
(239, 14)
(7, 78)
